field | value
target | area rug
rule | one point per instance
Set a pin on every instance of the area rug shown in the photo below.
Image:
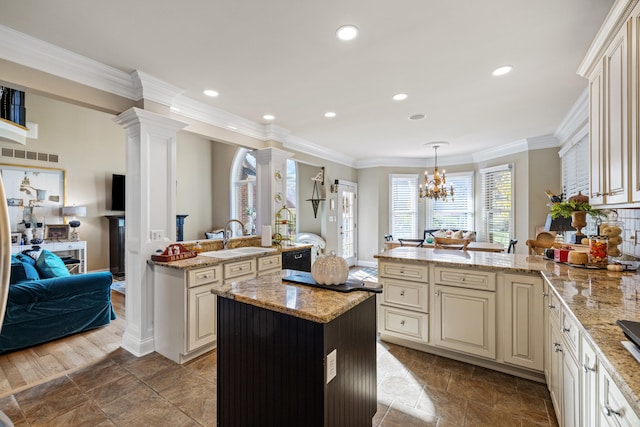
(120, 287)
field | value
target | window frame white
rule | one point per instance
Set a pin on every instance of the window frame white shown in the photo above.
(411, 197)
(486, 232)
(470, 203)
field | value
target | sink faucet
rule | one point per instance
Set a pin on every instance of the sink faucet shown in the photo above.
(227, 236)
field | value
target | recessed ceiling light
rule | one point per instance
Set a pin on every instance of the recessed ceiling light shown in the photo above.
(501, 71)
(329, 114)
(347, 32)
(268, 117)
(400, 96)
(210, 92)
(417, 117)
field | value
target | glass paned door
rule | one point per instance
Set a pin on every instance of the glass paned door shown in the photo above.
(347, 217)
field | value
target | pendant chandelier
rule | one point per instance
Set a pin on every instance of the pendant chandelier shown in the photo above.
(436, 188)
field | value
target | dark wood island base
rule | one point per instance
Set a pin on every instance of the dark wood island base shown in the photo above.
(272, 366)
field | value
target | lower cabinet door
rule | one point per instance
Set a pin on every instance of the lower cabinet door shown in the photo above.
(201, 322)
(570, 390)
(465, 320)
(405, 324)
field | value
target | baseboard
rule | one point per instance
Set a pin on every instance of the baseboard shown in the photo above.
(136, 347)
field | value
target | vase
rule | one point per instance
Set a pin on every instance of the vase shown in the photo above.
(578, 220)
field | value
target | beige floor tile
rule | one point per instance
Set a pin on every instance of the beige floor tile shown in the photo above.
(400, 415)
(472, 389)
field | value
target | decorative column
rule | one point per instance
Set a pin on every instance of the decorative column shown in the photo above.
(271, 184)
(150, 214)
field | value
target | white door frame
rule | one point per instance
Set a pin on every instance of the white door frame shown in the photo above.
(350, 187)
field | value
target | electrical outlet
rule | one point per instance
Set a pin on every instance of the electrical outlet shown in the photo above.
(156, 235)
(332, 365)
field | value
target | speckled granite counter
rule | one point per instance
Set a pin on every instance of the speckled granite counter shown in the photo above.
(500, 261)
(305, 302)
(597, 298)
(206, 261)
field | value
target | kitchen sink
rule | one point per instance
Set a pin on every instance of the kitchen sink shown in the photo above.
(236, 252)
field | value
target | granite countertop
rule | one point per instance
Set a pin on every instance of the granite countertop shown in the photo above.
(306, 302)
(492, 261)
(596, 298)
(206, 261)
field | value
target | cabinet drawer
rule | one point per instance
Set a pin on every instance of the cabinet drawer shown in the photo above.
(67, 246)
(570, 332)
(203, 276)
(466, 278)
(239, 268)
(403, 294)
(418, 273)
(269, 262)
(404, 324)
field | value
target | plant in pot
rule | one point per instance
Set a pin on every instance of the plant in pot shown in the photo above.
(577, 208)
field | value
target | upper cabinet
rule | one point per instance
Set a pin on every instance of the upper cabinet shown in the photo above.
(613, 68)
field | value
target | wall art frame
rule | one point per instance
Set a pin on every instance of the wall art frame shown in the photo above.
(59, 232)
(34, 194)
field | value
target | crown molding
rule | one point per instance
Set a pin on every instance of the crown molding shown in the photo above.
(299, 144)
(615, 19)
(542, 142)
(575, 119)
(275, 133)
(37, 54)
(200, 111)
(503, 150)
(154, 89)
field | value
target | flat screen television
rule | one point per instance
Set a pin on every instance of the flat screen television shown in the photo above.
(117, 192)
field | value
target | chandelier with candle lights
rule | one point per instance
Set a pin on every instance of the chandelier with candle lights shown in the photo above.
(436, 188)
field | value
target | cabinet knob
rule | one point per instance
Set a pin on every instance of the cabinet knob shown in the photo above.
(610, 411)
(544, 294)
(437, 293)
(401, 293)
(402, 323)
(587, 369)
(566, 330)
(551, 306)
(556, 347)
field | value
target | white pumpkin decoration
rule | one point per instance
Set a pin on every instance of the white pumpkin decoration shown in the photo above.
(330, 270)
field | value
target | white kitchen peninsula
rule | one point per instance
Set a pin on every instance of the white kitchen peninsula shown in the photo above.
(536, 315)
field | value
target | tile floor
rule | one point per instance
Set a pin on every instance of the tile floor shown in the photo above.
(415, 389)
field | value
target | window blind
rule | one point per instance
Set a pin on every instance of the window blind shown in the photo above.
(456, 213)
(497, 199)
(403, 206)
(575, 177)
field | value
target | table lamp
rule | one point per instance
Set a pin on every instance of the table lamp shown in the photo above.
(559, 225)
(74, 212)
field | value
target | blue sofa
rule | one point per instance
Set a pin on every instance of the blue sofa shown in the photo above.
(45, 309)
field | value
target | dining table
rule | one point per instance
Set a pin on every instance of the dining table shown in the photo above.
(472, 246)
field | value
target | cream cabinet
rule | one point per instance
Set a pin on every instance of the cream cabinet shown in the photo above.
(184, 317)
(524, 321)
(588, 384)
(614, 409)
(464, 320)
(269, 264)
(239, 270)
(404, 302)
(464, 311)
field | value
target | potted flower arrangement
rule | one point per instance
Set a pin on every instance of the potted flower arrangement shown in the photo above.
(576, 208)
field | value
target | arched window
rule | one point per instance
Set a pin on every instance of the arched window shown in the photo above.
(243, 186)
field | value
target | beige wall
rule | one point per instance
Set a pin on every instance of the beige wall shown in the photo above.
(91, 147)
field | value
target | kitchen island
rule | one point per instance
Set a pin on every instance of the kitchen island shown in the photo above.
(294, 355)
(491, 309)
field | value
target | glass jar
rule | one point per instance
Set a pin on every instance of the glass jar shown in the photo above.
(598, 251)
(614, 230)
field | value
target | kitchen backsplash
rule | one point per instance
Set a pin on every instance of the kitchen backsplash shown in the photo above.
(631, 220)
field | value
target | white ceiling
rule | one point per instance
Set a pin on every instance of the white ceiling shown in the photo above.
(282, 57)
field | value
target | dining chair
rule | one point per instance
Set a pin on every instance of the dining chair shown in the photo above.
(512, 246)
(411, 242)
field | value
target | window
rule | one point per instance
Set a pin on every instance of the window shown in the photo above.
(575, 178)
(403, 209)
(497, 200)
(243, 186)
(457, 213)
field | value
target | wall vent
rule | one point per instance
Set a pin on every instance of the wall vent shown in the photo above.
(30, 155)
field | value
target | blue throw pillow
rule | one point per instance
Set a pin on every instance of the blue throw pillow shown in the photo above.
(22, 272)
(26, 258)
(51, 265)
